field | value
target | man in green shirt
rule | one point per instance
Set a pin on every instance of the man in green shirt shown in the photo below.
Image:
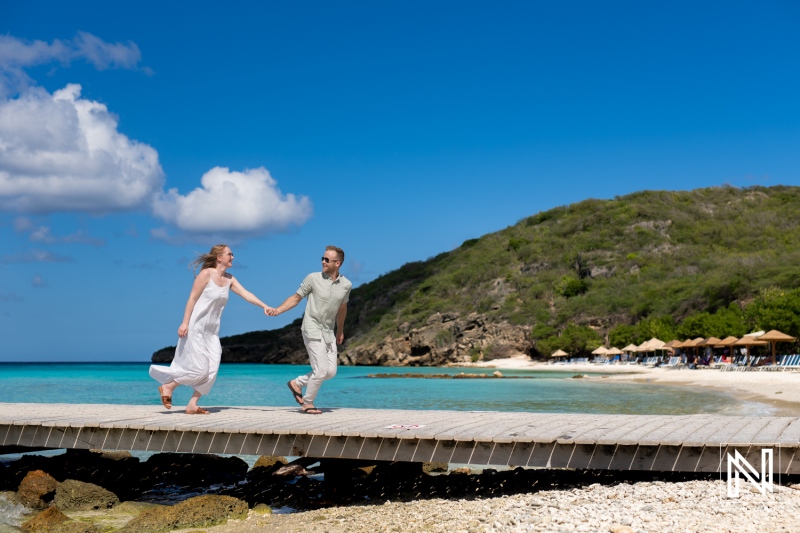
(328, 293)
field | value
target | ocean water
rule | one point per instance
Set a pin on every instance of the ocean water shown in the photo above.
(256, 384)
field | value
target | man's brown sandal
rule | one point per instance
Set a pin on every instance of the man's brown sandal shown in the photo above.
(200, 411)
(310, 410)
(298, 396)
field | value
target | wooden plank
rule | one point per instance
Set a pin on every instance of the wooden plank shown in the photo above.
(790, 437)
(717, 431)
(687, 442)
(675, 431)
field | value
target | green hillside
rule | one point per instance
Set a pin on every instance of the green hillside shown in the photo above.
(713, 261)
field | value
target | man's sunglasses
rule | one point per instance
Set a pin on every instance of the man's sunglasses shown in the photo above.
(326, 260)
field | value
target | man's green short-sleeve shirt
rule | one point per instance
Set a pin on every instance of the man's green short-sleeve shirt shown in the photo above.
(325, 297)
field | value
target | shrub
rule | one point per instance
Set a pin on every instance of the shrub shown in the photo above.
(570, 286)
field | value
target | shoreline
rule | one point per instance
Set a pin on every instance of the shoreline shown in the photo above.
(779, 390)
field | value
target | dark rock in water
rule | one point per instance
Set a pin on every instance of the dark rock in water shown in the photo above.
(73, 495)
(191, 470)
(37, 489)
(45, 521)
(200, 511)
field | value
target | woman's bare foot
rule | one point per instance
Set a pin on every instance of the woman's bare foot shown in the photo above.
(196, 411)
(166, 400)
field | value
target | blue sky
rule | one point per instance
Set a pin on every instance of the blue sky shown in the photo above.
(132, 136)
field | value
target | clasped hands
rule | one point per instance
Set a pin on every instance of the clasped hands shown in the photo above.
(271, 311)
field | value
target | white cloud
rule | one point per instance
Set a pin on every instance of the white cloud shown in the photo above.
(60, 152)
(35, 256)
(38, 282)
(232, 203)
(18, 54)
(42, 234)
(23, 224)
(105, 55)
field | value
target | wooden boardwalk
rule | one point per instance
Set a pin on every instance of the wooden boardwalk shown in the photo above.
(696, 443)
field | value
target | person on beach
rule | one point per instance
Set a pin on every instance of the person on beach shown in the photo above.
(197, 356)
(328, 292)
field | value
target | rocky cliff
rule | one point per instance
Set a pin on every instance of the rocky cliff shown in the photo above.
(445, 338)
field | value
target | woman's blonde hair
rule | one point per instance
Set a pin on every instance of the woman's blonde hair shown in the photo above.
(208, 260)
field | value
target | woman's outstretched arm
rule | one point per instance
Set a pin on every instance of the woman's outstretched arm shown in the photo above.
(247, 295)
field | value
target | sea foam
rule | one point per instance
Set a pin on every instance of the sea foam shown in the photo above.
(10, 513)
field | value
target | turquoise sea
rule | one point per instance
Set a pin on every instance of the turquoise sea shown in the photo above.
(256, 384)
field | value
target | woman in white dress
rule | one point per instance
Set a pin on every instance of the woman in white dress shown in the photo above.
(197, 356)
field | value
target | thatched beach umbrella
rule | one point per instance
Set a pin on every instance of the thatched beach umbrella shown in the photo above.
(709, 342)
(672, 345)
(629, 349)
(602, 350)
(774, 337)
(559, 353)
(694, 343)
(747, 341)
(727, 342)
(655, 344)
(677, 344)
(614, 351)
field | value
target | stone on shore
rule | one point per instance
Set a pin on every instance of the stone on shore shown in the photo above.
(37, 489)
(200, 511)
(45, 520)
(434, 467)
(73, 495)
(112, 455)
(269, 461)
(262, 509)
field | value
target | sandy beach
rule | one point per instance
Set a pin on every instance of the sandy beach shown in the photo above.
(781, 390)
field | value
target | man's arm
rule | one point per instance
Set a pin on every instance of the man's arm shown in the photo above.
(290, 303)
(340, 315)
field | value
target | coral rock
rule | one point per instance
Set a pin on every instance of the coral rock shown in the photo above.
(37, 489)
(45, 521)
(73, 495)
(200, 511)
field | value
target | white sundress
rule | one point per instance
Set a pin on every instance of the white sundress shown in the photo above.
(197, 355)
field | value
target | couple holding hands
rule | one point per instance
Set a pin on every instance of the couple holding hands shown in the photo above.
(198, 353)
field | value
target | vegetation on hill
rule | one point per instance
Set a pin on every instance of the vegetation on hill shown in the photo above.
(671, 264)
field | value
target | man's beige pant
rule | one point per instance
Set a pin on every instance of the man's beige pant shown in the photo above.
(322, 356)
